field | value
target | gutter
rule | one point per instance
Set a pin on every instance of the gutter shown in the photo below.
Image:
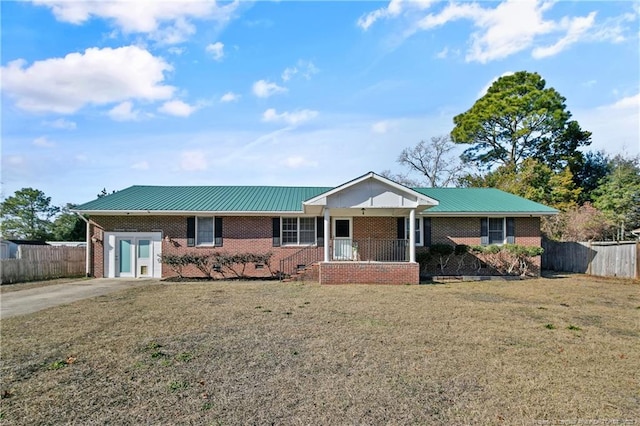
(186, 212)
(87, 268)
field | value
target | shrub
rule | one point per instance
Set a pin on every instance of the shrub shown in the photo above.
(461, 249)
(441, 249)
(176, 262)
(211, 264)
(443, 252)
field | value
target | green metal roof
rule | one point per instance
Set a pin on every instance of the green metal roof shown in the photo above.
(289, 199)
(205, 198)
(481, 200)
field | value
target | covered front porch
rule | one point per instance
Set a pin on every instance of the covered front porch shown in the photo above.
(370, 232)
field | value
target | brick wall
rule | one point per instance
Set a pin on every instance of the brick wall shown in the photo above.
(466, 230)
(254, 234)
(369, 273)
(374, 227)
(239, 235)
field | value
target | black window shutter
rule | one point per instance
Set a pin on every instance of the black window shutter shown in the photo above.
(320, 230)
(401, 233)
(218, 231)
(511, 230)
(426, 223)
(191, 231)
(276, 231)
(484, 231)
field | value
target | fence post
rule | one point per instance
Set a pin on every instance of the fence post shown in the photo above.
(591, 256)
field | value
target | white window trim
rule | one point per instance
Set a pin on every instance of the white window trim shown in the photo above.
(213, 225)
(298, 243)
(419, 231)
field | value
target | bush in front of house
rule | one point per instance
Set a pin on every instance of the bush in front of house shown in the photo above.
(507, 259)
(216, 264)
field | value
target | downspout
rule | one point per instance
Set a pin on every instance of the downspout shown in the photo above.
(87, 261)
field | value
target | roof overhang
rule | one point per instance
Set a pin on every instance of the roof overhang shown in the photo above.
(183, 213)
(370, 191)
(482, 214)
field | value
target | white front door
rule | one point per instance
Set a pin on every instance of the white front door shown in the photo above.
(342, 239)
(133, 254)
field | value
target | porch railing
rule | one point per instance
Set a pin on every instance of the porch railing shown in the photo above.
(370, 249)
(299, 260)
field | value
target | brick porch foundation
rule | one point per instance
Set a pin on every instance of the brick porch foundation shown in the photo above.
(369, 273)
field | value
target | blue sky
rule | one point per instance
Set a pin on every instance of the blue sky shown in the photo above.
(113, 94)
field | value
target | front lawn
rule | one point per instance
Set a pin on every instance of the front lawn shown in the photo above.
(536, 352)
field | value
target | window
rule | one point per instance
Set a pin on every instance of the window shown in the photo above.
(418, 231)
(204, 231)
(298, 230)
(496, 230)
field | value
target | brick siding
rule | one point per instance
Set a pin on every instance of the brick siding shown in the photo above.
(254, 235)
(466, 230)
(369, 273)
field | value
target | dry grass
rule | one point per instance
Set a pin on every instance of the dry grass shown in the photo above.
(8, 288)
(521, 352)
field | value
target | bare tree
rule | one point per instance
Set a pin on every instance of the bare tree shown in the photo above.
(434, 161)
(401, 178)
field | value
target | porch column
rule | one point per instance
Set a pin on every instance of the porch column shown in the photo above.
(327, 235)
(412, 235)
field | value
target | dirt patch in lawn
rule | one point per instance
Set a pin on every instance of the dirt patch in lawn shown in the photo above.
(563, 349)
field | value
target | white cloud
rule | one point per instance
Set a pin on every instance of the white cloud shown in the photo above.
(97, 76)
(485, 89)
(177, 108)
(394, 8)
(630, 102)
(124, 112)
(443, 53)
(291, 118)
(615, 127)
(288, 73)
(298, 161)
(192, 161)
(174, 50)
(230, 97)
(61, 123)
(216, 49)
(382, 126)
(140, 165)
(164, 21)
(264, 89)
(43, 142)
(305, 68)
(576, 28)
(509, 27)
(612, 29)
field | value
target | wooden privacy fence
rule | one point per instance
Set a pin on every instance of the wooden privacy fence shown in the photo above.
(44, 262)
(603, 258)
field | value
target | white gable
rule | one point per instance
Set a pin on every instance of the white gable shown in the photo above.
(371, 191)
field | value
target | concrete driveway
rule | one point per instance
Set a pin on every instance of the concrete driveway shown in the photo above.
(22, 302)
